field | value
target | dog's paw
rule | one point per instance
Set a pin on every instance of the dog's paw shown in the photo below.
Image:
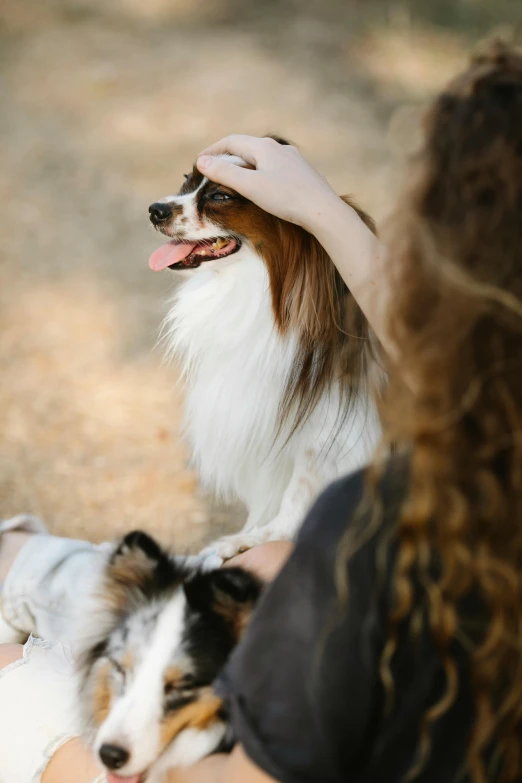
(223, 549)
(206, 560)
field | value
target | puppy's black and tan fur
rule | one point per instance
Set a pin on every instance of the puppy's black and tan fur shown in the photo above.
(158, 635)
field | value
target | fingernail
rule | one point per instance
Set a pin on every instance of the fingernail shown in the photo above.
(203, 161)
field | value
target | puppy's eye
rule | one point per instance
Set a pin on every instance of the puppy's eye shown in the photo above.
(220, 197)
(185, 683)
(169, 688)
(188, 681)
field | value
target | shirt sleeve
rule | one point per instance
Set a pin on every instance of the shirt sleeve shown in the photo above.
(303, 687)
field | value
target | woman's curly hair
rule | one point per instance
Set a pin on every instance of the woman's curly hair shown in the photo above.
(457, 320)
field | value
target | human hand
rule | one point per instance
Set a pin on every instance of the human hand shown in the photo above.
(282, 181)
(265, 560)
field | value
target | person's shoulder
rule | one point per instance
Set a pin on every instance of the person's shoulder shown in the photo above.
(357, 495)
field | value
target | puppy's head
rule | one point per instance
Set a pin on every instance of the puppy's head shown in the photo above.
(208, 224)
(159, 637)
(213, 227)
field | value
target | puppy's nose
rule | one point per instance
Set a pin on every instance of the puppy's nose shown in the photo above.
(159, 212)
(113, 756)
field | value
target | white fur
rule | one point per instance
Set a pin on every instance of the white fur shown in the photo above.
(235, 159)
(235, 364)
(134, 721)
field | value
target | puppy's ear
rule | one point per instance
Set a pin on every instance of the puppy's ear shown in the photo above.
(229, 593)
(137, 568)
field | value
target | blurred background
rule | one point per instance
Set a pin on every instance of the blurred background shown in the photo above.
(104, 105)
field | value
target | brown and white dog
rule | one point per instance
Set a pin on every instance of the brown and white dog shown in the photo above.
(275, 353)
(153, 638)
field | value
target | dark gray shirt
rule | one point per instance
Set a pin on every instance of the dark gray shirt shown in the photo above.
(304, 688)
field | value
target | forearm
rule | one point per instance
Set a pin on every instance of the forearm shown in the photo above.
(358, 254)
(285, 184)
(73, 761)
(235, 768)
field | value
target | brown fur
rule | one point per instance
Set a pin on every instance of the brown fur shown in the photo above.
(173, 677)
(102, 694)
(457, 318)
(197, 715)
(309, 297)
(126, 576)
(235, 615)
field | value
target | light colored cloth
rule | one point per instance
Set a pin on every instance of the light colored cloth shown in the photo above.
(47, 584)
(27, 523)
(38, 713)
(42, 595)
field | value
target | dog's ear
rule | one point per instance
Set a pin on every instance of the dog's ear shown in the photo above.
(138, 567)
(229, 593)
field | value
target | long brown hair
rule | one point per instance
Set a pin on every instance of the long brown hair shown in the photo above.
(455, 400)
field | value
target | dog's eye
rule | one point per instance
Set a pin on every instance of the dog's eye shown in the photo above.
(188, 681)
(169, 688)
(220, 197)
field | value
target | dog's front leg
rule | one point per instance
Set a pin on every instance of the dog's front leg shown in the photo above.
(309, 477)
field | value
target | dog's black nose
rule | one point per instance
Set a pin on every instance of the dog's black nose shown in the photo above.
(159, 212)
(113, 756)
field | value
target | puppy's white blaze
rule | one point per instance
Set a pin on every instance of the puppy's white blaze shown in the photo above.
(194, 227)
(186, 198)
(134, 720)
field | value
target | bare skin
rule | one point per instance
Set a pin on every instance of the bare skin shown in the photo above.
(75, 761)
(286, 185)
(265, 560)
(283, 183)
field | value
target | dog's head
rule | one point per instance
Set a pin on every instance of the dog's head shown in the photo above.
(208, 223)
(213, 227)
(158, 638)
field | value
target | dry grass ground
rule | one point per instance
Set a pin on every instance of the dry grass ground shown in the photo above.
(104, 105)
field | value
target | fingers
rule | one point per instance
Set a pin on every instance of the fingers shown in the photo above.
(244, 146)
(229, 174)
(265, 560)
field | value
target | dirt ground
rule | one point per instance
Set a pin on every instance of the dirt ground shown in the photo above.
(104, 104)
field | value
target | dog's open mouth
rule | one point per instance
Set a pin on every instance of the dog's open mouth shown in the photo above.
(190, 255)
(112, 777)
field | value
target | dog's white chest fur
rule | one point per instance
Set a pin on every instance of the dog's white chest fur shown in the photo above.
(236, 364)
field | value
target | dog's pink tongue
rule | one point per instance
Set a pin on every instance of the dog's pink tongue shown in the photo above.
(113, 778)
(169, 254)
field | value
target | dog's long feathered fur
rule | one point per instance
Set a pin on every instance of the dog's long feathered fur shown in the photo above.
(275, 354)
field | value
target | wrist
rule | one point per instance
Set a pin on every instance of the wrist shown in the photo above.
(323, 212)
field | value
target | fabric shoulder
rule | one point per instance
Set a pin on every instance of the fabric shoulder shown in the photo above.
(360, 502)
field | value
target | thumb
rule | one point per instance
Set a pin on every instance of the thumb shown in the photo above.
(225, 173)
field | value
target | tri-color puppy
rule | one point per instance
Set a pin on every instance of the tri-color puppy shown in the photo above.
(275, 352)
(154, 639)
